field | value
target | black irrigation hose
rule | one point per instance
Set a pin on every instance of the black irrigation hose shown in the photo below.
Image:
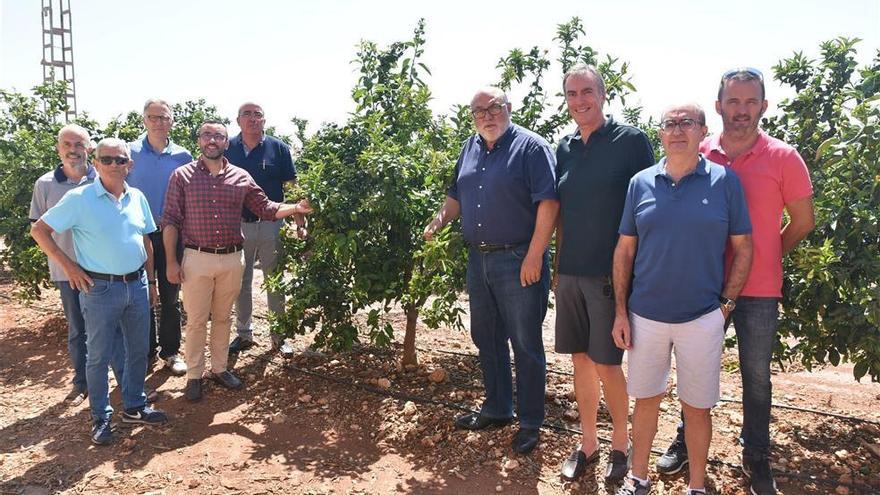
(723, 399)
(547, 425)
(551, 371)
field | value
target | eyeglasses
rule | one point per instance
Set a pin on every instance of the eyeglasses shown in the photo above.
(751, 71)
(683, 124)
(155, 119)
(118, 160)
(494, 109)
(247, 114)
(216, 137)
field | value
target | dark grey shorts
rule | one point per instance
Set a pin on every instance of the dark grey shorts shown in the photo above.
(584, 317)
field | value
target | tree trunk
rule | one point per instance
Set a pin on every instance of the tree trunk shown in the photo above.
(409, 339)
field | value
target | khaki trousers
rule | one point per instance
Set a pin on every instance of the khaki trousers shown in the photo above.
(211, 282)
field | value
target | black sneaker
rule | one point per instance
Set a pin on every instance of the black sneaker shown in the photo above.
(147, 416)
(239, 344)
(760, 475)
(632, 486)
(674, 460)
(102, 432)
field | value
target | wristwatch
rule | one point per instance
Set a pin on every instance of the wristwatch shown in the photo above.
(728, 304)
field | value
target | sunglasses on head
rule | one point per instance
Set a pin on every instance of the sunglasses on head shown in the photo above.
(743, 70)
(118, 160)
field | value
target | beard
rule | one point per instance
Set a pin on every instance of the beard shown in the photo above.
(212, 154)
(80, 167)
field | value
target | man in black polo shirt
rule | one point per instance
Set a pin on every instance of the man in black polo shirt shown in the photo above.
(594, 166)
(268, 161)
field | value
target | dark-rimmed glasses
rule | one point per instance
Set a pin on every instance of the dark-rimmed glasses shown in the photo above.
(494, 109)
(216, 137)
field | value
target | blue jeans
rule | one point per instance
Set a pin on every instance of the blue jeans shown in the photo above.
(755, 320)
(76, 332)
(502, 310)
(76, 337)
(114, 310)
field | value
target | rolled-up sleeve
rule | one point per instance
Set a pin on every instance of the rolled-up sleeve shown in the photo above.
(258, 203)
(541, 163)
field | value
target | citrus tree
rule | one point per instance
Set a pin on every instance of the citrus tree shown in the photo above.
(374, 182)
(831, 303)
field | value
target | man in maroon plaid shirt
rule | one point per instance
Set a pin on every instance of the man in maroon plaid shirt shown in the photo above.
(203, 205)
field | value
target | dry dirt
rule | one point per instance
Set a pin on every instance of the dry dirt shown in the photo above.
(357, 423)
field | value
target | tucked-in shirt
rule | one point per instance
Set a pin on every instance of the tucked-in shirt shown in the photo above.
(108, 233)
(152, 169)
(682, 228)
(48, 190)
(499, 189)
(591, 180)
(269, 163)
(206, 209)
(773, 175)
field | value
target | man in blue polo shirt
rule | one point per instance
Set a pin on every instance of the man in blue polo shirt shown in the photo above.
(155, 157)
(504, 190)
(74, 171)
(111, 223)
(678, 218)
(268, 161)
(594, 166)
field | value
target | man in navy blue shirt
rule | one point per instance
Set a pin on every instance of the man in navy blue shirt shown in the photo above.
(268, 161)
(678, 218)
(504, 190)
(155, 156)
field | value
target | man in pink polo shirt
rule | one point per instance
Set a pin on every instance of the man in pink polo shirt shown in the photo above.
(775, 179)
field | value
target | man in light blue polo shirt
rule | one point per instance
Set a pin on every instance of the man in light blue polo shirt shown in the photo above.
(110, 222)
(678, 218)
(74, 171)
(155, 156)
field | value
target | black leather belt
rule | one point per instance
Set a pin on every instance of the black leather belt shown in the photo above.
(218, 250)
(484, 247)
(128, 277)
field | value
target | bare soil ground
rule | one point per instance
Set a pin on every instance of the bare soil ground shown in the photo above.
(357, 422)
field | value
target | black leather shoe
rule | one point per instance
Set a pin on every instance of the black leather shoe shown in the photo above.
(239, 344)
(618, 464)
(228, 380)
(577, 463)
(193, 390)
(475, 421)
(525, 440)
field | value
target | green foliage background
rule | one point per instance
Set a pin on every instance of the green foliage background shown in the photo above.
(376, 179)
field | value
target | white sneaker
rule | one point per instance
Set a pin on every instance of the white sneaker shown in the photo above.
(176, 365)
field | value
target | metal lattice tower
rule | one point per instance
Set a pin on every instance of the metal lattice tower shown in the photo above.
(58, 49)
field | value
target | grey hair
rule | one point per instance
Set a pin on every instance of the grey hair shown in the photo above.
(252, 104)
(701, 114)
(112, 142)
(82, 131)
(491, 90)
(157, 101)
(585, 69)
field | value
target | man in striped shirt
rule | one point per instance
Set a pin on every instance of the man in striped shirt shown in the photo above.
(203, 206)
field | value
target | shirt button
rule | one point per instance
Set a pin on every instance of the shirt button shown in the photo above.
(483, 169)
(478, 206)
(481, 187)
(215, 216)
(479, 225)
(218, 232)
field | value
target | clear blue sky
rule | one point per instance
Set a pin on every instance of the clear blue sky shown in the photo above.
(294, 57)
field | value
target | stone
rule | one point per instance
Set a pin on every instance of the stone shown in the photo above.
(383, 383)
(409, 408)
(438, 375)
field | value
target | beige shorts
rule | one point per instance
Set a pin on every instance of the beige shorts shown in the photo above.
(697, 345)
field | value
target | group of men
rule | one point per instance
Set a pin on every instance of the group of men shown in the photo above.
(123, 241)
(651, 258)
